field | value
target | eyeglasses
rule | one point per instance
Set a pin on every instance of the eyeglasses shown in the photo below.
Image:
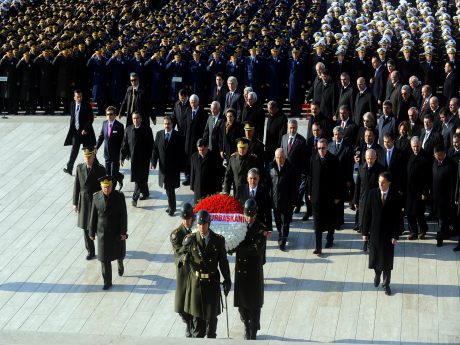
(321, 147)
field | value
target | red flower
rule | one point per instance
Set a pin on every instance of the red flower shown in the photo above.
(219, 203)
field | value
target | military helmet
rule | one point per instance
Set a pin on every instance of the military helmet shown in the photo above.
(250, 208)
(203, 217)
(186, 211)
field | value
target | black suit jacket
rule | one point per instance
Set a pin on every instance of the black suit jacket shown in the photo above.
(380, 82)
(298, 153)
(450, 88)
(112, 145)
(433, 140)
(211, 132)
(363, 103)
(264, 208)
(236, 102)
(170, 157)
(219, 96)
(141, 104)
(85, 120)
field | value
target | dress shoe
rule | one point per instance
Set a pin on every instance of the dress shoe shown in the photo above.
(421, 235)
(167, 210)
(439, 242)
(297, 209)
(412, 236)
(387, 290)
(365, 246)
(90, 256)
(317, 252)
(356, 228)
(186, 183)
(376, 281)
(134, 203)
(329, 244)
(457, 249)
(67, 171)
(171, 213)
(305, 217)
(107, 286)
(121, 269)
(144, 197)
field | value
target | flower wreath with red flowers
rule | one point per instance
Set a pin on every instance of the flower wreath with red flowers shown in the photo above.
(227, 218)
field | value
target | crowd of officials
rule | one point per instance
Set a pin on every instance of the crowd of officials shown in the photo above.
(380, 81)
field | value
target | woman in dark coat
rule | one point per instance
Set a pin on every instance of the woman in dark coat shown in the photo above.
(381, 224)
(229, 132)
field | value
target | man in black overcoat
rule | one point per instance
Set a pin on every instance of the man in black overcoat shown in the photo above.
(136, 99)
(324, 192)
(276, 128)
(81, 130)
(109, 223)
(168, 151)
(381, 224)
(417, 190)
(137, 146)
(206, 171)
(195, 122)
(86, 184)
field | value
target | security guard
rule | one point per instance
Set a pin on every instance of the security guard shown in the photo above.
(238, 166)
(204, 251)
(109, 222)
(86, 184)
(177, 237)
(249, 273)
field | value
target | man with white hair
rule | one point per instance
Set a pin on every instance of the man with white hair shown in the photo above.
(233, 98)
(195, 124)
(211, 130)
(254, 113)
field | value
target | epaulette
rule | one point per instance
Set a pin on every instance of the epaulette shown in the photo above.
(260, 141)
(253, 155)
(187, 239)
(173, 236)
(234, 153)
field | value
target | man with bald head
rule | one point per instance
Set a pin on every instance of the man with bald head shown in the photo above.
(364, 101)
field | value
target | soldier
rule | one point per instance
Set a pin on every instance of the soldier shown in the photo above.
(255, 146)
(204, 251)
(238, 166)
(109, 222)
(86, 184)
(176, 237)
(249, 274)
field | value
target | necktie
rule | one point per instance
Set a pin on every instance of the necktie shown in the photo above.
(193, 114)
(109, 131)
(343, 124)
(77, 117)
(133, 101)
(315, 141)
(427, 135)
(290, 144)
(167, 138)
(338, 147)
(252, 194)
(382, 197)
(388, 157)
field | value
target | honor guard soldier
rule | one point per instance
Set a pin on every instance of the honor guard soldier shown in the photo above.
(109, 223)
(182, 272)
(249, 273)
(86, 184)
(204, 251)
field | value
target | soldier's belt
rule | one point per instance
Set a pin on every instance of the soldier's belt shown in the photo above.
(201, 275)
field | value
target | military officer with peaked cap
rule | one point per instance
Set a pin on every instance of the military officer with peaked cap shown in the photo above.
(109, 223)
(177, 236)
(204, 251)
(86, 184)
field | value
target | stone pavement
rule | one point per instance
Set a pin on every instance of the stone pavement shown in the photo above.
(48, 288)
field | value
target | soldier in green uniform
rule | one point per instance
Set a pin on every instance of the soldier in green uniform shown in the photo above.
(249, 273)
(86, 184)
(182, 272)
(109, 222)
(238, 166)
(204, 251)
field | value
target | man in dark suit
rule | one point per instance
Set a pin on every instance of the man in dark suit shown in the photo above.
(429, 137)
(382, 219)
(324, 192)
(205, 171)
(233, 98)
(364, 102)
(416, 125)
(109, 223)
(350, 129)
(443, 192)
(295, 147)
(417, 190)
(395, 162)
(112, 134)
(168, 151)
(136, 99)
(386, 123)
(341, 148)
(346, 94)
(138, 145)
(450, 88)
(219, 90)
(195, 122)
(86, 184)
(180, 108)
(379, 80)
(448, 127)
(211, 130)
(275, 129)
(281, 182)
(81, 130)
